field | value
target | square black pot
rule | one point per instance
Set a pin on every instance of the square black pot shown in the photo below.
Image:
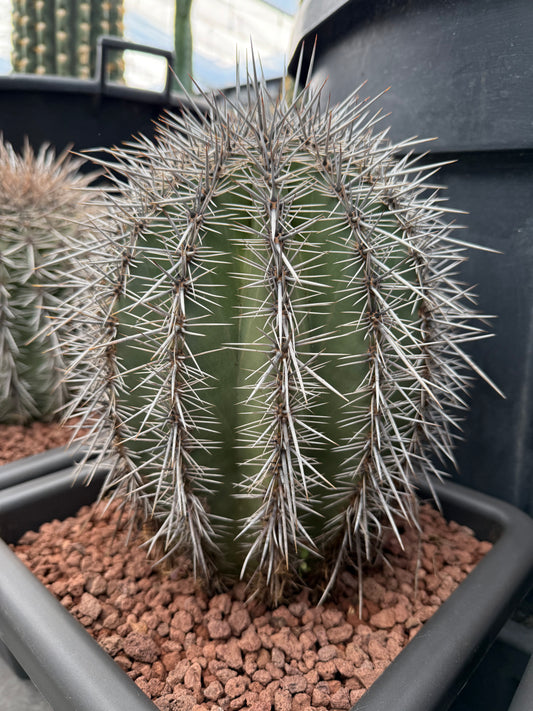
(75, 674)
(504, 679)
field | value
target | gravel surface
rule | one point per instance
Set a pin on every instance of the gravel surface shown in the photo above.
(17, 441)
(191, 652)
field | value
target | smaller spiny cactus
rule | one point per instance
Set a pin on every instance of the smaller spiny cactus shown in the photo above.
(276, 321)
(59, 36)
(41, 200)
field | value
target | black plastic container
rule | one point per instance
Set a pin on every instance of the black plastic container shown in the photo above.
(73, 673)
(524, 694)
(459, 70)
(63, 661)
(83, 113)
(504, 679)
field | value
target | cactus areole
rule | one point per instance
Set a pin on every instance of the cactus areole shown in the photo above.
(270, 351)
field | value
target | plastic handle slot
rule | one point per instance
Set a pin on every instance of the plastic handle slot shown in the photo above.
(106, 43)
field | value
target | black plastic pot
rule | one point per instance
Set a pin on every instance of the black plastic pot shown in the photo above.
(524, 694)
(460, 70)
(503, 681)
(73, 673)
(63, 661)
(83, 113)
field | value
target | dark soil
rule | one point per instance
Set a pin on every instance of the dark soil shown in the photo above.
(191, 652)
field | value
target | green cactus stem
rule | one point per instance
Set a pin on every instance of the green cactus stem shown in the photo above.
(183, 44)
(277, 327)
(59, 36)
(40, 196)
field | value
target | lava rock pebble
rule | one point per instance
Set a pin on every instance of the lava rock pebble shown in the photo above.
(190, 652)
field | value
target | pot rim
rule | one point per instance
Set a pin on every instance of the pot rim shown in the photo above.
(37, 629)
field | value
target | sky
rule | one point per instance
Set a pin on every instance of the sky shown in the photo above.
(221, 29)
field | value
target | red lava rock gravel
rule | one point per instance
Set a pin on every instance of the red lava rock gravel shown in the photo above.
(191, 652)
(17, 441)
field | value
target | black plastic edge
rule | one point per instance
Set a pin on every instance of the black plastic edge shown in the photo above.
(523, 697)
(106, 43)
(453, 642)
(11, 662)
(308, 22)
(38, 465)
(56, 495)
(518, 636)
(69, 668)
(62, 660)
(91, 87)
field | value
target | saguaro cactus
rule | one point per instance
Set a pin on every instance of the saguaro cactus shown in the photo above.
(59, 36)
(275, 356)
(41, 197)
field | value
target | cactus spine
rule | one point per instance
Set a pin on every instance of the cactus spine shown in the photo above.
(276, 335)
(41, 195)
(59, 36)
